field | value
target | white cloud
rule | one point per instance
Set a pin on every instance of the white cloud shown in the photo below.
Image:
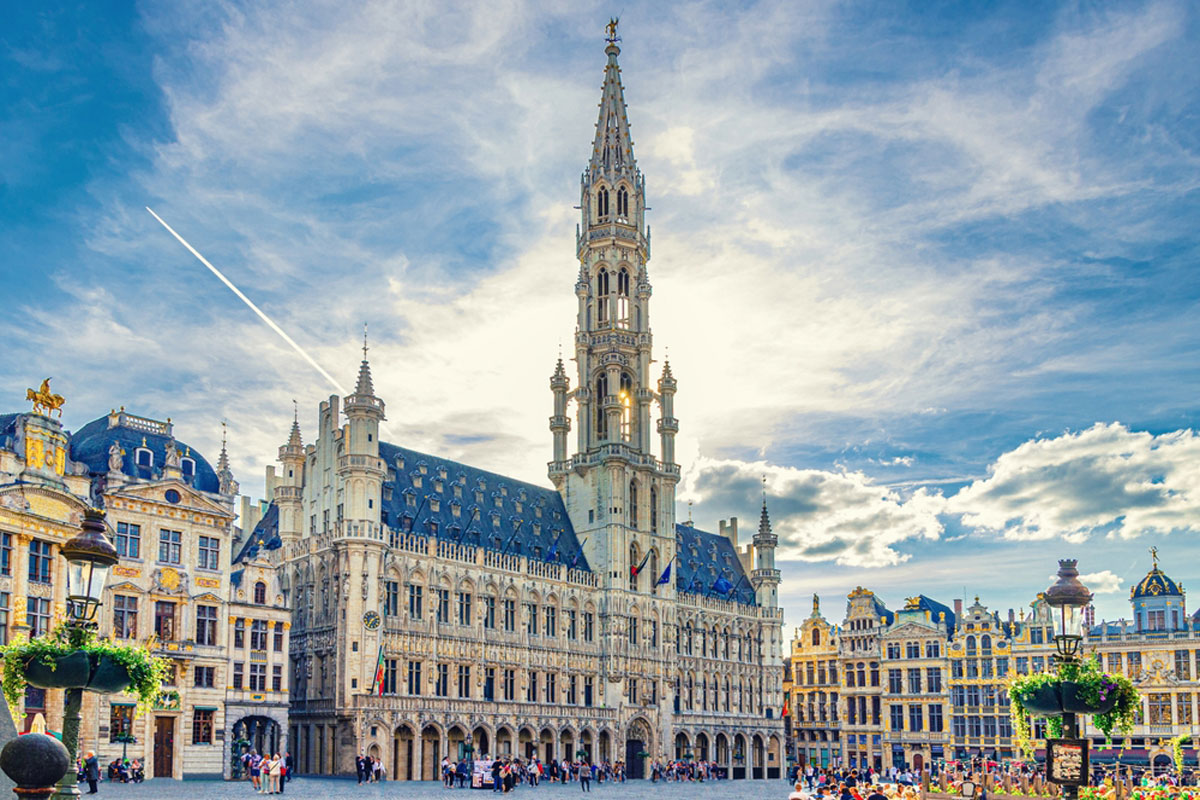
(1103, 582)
(1106, 478)
(818, 515)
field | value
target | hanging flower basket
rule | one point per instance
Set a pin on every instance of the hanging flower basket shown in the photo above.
(1076, 701)
(64, 671)
(1044, 700)
(109, 676)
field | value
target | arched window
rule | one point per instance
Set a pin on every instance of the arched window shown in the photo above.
(652, 570)
(602, 203)
(622, 203)
(601, 420)
(985, 645)
(260, 593)
(653, 509)
(144, 457)
(816, 637)
(623, 298)
(634, 560)
(626, 398)
(633, 504)
(188, 467)
(970, 645)
(602, 294)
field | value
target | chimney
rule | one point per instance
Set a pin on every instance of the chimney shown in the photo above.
(958, 606)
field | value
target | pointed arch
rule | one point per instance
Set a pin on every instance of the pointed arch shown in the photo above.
(635, 557)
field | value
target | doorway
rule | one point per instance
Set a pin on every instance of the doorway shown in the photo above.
(164, 747)
(634, 763)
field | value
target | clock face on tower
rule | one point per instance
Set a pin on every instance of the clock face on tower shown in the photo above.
(371, 621)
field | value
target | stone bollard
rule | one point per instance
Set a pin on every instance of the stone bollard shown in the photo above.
(36, 762)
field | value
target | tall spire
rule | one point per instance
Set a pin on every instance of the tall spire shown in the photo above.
(612, 149)
(364, 387)
(227, 485)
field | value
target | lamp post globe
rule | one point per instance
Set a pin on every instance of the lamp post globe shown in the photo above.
(90, 555)
(1068, 598)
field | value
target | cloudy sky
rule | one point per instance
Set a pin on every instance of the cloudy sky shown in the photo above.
(931, 270)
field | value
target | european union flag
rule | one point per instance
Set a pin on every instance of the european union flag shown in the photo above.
(722, 586)
(666, 576)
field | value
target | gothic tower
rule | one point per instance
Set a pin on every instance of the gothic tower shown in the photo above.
(620, 495)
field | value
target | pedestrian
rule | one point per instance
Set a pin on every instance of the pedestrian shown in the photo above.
(585, 777)
(91, 768)
(276, 773)
(497, 766)
(360, 767)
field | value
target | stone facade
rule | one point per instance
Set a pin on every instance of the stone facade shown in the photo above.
(975, 652)
(441, 609)
(815, 688)
(171, 517)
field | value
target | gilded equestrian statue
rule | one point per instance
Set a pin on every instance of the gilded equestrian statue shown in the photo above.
(44, 401)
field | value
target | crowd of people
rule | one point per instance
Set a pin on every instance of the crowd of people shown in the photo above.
(268, 774)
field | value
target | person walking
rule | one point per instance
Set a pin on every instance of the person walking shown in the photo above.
(276, 773)
(585, 777)
(360, 766)
(91, 768)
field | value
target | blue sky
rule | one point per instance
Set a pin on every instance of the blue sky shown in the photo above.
(931, 268)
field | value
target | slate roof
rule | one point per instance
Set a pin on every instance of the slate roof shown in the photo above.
(264, 536)
(90, 446)
(421, 492)
(702, 558)
(8, 428)
(934, 608)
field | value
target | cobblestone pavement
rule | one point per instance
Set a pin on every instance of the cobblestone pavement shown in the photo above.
(338, 788)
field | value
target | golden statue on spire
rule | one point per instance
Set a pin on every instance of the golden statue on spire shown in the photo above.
(610, 30)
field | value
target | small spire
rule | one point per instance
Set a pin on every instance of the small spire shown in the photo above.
(294, 439)
(364, 386)
(764, 521)
(223, 459)
(613, 148)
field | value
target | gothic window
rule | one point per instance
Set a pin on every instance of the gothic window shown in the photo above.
(626, 398)
(602, 203)
(601, 421)
(816, 637)
(633, 504)
(602, 293)
(653, 509)
(622, 203)
(634, 560)
(653, 562)
(623, 298)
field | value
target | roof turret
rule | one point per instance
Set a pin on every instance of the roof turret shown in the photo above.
(1156, 583)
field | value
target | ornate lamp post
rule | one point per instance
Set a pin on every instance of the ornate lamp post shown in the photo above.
(90, 555)
(1068, 598)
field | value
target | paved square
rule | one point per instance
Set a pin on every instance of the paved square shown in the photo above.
(343, 788)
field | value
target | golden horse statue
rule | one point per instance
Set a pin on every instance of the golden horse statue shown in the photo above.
(44, 401)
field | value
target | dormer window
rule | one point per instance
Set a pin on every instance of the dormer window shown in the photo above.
(437, 486)
(499, 502)
(517, 506)
(188, 467)
(417, 481)
(537, 512)
(143, 457)
(410, 499)
(456, 509)
(504, 491)
(424, 468)
(434, 504)
(442, 473)
(457, 490)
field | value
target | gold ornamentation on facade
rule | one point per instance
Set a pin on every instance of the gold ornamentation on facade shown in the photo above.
(169, 579)
(127, 572)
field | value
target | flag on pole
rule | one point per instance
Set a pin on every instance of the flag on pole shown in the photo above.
(635, 570)
(552, 553)
(666, 576)
(786, 706)
(377, 684)
(575, 560)
(721, 585)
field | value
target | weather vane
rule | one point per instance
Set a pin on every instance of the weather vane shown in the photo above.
(610, 30)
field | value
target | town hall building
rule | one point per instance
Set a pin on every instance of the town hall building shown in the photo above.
(441, 610)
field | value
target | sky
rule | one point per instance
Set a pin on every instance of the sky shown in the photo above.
(930, 268)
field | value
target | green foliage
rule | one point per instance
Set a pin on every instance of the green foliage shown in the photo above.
(146, 671)
(1095, 687)
(1177, 750)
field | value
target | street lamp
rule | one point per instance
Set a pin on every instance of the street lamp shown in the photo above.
(90, 555)
(1068, 597)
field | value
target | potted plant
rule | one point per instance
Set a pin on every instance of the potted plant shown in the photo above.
(1079, 688)
(75, 657)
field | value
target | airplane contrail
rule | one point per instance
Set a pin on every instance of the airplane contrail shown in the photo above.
(270, 322)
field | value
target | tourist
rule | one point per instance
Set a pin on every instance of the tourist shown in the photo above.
(253, 761)
(360, 766)
(497, 766)
(585, 777)
(276, 773)
(798, 792)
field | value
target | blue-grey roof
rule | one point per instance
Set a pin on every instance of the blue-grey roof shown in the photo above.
(90, 446)
(513, 516)
(265, 536)
(934, 608)
(702, 558)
